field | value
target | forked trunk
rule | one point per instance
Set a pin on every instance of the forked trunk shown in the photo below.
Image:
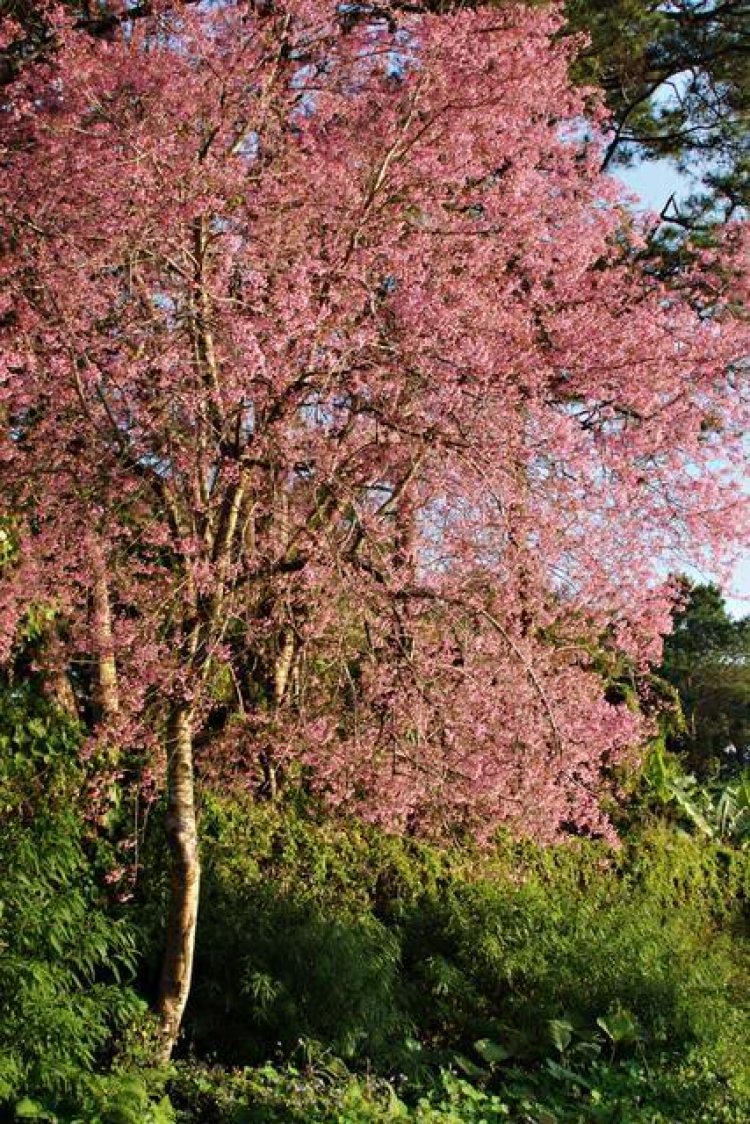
(182, 837)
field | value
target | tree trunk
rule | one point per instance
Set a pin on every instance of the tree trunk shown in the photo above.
(107, 692)
(282, 666)
(182, 837)
(61, 691)
(56, 678)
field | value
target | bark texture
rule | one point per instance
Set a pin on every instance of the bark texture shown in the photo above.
(182, 836)
(107, 691)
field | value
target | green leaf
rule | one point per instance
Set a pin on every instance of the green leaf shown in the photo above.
(26, 1109)
(468, 1067)
(562, 1073)
(491, 1052)
(561, 1033)
(619, 1026)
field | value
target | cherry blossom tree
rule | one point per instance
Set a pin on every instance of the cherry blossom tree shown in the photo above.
(342, 427)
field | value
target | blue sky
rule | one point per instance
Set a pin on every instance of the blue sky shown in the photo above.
(654, 182)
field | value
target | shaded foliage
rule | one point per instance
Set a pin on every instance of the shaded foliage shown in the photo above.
(65, 958)
(400, 956)
(707, 659)
(508, 984)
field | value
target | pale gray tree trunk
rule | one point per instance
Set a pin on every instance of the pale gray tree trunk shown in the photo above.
(182, 837)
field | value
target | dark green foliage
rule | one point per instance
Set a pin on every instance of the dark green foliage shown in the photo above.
(707, 659)
(38, 755)
(555, 987)
(387, 979)
(676, 76)
(319, 937)
(506, 962)
(61, 963)
(64, 958)
(274, 972)
(604, 1092)
(289, 949)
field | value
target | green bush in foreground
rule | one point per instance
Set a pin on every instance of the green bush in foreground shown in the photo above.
(66, 1006)
(400, 958)
(387, 979)
(629, 1093)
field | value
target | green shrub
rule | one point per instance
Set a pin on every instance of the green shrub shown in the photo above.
(289, 948)
(62, 961)
(552, 986)
(326, 1093)
(501, 961)
(64, 958)
(400, 957)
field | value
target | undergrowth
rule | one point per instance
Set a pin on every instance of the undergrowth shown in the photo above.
(344, 976)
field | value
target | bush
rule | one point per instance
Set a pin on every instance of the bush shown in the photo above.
(289, 948)
(401, 958)
(491, 959)
(326, 1093)
(385, 979)
(64, 957)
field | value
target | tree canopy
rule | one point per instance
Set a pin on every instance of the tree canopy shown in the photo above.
(676, 77)
(707, 658)
(343, 426)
